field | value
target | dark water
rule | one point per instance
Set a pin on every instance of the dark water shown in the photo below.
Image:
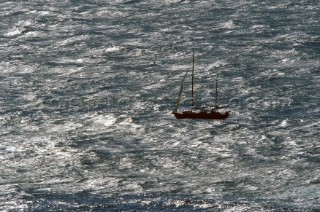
(87, 90)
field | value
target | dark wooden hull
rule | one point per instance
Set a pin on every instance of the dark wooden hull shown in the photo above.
(201, 115)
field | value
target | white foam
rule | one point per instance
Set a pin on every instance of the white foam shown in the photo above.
(14, 32)
(104, 120)
(113, 49)
(259, 26)
(228, 25)
(284, 123)
(68, 126)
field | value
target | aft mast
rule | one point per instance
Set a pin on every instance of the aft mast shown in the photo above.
(192, 92)
(216, 101)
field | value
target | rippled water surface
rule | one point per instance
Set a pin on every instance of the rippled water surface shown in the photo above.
(88, 87)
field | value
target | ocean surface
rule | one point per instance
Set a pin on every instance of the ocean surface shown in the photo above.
(88, 88)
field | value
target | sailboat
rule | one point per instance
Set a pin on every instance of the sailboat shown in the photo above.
(194, 112)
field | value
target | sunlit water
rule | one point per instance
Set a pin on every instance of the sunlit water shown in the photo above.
(88, 87)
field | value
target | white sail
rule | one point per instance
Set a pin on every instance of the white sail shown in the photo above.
(180, 99)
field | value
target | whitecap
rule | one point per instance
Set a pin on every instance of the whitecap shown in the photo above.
(217, 64)
(259, 26)
(14, 32)
(68, 126)
(272, 73)
(228, 25)
(104, 120)
(284, 123)
(113, 49)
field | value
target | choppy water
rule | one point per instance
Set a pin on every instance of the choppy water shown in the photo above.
(87, 90)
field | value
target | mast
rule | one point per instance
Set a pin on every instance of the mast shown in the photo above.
(192, 95)
(216, 102)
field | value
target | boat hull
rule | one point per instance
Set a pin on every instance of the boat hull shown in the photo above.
(201, 115)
